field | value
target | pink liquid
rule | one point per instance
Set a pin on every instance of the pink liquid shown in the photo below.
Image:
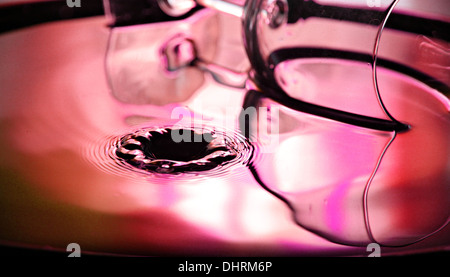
(58, 185)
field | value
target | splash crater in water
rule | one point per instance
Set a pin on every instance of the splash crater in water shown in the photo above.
(158, 151)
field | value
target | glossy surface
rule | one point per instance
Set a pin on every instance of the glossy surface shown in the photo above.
(56, 111)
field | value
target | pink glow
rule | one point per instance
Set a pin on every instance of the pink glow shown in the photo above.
(62, 110)
(335, 216)
(56, 110)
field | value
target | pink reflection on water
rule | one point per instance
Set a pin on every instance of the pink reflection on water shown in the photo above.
(55, 104)
(56, 114)
(324, 169)
(335, 216)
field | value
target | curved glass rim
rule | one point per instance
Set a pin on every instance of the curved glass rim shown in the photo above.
(262, 74)
(275, 92)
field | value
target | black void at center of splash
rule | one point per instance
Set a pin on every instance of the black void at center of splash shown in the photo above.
(157, 151)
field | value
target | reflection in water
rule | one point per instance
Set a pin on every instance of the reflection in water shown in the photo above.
(56, 113)
(342, 181)
(56, 110)
(321, 170)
